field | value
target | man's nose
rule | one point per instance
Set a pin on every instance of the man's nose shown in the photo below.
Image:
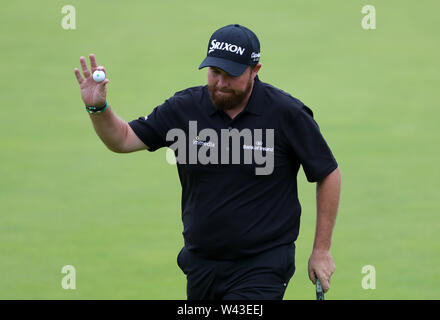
(222, 81)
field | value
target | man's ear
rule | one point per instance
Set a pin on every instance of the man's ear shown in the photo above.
(256, 69)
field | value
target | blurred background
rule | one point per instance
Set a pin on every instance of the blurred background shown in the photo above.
(67, 200)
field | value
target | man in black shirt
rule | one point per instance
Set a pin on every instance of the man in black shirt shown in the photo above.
(238, 143)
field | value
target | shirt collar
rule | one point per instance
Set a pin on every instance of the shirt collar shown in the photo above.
(253, 106)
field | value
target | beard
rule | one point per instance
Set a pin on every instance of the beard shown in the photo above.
(227, 99)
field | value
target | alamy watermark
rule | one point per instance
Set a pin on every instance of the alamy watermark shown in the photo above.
(369, 20)
(68, 22)
(207, 147)
(69, 281)
(369, 280)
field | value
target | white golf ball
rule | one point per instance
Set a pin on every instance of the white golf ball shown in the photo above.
(98, 76)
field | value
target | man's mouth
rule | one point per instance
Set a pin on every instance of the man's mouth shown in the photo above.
(225, 91)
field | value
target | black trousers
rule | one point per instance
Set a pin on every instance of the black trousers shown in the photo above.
(264, 276)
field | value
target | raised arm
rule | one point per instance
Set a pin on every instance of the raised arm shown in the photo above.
(114, 132)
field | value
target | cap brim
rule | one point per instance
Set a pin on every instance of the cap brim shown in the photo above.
(233, 68)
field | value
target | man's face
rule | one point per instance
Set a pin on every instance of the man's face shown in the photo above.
(226, 91)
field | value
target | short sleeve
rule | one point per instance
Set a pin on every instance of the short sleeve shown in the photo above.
(153, 128)
(305, 138)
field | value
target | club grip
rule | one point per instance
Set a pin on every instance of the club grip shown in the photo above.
(319, 291)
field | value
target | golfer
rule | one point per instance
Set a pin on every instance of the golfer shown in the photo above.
(239, 223)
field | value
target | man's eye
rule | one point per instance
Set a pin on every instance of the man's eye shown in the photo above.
(216, 70)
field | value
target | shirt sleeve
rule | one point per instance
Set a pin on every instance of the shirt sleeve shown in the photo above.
(308, 144)
(153, 128)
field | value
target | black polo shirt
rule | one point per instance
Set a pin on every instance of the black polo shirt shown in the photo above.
(229, 211)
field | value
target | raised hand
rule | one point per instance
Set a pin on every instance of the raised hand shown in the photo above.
(92, 93)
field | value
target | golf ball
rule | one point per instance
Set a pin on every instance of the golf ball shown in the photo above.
(98, 76)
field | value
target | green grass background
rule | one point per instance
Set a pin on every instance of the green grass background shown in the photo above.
(67, 200)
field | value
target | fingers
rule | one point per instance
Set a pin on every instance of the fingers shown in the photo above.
(101, 68)
(103, 83)
(324, 278)
(84, 68)
(78, 76)
(93, 64)
(325, 282)
(312, 275)
(321, 266)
